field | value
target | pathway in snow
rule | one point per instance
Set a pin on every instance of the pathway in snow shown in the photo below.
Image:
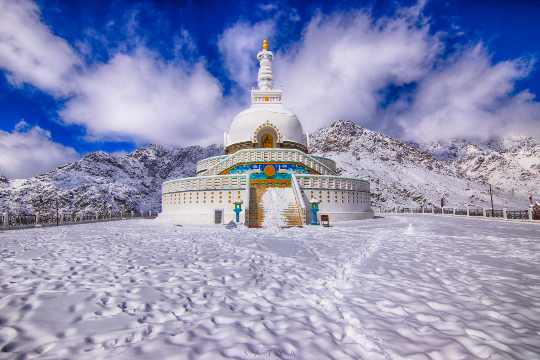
(393, 288)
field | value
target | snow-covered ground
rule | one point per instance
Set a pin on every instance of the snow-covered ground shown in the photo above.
(418, 287)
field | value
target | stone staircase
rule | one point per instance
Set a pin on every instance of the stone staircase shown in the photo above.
(273, 206)
(292, 216)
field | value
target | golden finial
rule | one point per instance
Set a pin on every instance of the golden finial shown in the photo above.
(266, 45)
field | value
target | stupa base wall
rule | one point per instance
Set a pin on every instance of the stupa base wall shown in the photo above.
(200, 217)
(206, 200)
(180, 217)
(347, 216)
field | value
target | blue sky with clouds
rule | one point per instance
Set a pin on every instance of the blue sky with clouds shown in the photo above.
(79, 76)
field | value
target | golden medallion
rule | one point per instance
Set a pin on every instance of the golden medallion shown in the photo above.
(269, 171)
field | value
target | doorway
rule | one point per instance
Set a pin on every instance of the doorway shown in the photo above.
(218, 216)
(267, 137)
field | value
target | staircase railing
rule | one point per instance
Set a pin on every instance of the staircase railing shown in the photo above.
(247, 206)
(299, 199)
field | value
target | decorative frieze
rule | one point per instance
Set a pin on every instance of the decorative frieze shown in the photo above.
(270, 155)
(221, 182)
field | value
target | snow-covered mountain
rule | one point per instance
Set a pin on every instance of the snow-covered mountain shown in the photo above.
(411, 174)
(401, 174)
(512, 163)
(102, 182)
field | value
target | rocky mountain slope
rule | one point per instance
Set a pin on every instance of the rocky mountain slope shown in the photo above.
(411, 174)
(102, 182)
(512, 163)
(401, 174)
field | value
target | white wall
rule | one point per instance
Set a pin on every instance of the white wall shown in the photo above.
(197, 207)
(194, 200)
(339, 205)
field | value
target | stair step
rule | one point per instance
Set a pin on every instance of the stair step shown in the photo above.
(291, 215)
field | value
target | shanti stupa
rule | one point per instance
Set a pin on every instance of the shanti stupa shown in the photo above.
(266, 177)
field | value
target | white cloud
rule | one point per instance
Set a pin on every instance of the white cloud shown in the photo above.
(30, 52)
(339, 69)
(470, 97)
(27, 151)
(342, 63)
(339, 66)
(239, 45)
(134, 96)
(184, 45)
(139, 97)
(269, 7)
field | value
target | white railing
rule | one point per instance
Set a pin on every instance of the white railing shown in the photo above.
(247, 208)
(13, 221)
(221, 182)
(269, 155)
(326, 161)
(299, 199)
(209, 162)
(473, 212)
(331, 182)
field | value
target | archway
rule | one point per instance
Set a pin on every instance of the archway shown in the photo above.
(267, 141)
(267, 138)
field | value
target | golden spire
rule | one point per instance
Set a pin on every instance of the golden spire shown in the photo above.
(266, 45)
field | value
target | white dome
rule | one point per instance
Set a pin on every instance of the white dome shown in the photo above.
(247, 123)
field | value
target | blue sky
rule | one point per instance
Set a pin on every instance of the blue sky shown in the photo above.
(80, 76)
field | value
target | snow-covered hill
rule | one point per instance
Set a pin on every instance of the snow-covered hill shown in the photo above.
(411, 175)
(401, 174)
(512, 163)
(102, 182)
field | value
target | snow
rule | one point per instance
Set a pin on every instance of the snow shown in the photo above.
(511, 164)
(409, 175)
(401, 174)
(17, 183)
(414, 287)
(102, 182)
(275, 201)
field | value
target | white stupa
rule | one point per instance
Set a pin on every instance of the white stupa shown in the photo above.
(266, 152)
(266, 111)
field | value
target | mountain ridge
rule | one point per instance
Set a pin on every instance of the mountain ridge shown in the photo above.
(401, 174)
